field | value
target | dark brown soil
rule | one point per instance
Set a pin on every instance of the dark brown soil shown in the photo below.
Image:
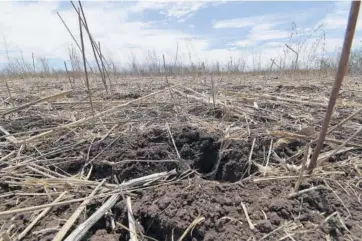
(199, 151)
(216, 194)
(122, 96)
(217, 113)
(165, 212)
(226, 172)
(24, 122)
(171, 209)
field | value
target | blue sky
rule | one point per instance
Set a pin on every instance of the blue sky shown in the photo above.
(201, 31)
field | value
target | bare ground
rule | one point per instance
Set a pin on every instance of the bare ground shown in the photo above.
(226, 155)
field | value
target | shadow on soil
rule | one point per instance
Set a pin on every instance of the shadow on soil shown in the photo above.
(141, 154)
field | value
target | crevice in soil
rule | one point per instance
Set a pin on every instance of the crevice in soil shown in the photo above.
(199, 150)
(155, 228)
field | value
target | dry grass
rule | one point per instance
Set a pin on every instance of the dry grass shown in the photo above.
(250, 107)
(48, 124)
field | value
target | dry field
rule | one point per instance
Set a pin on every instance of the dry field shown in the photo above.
(200, 158)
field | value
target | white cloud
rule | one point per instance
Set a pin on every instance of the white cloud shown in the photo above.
(183, 9)
(140, 6)
(35, 28)
(338, 18)
(262, 32)
(273, 44)
(260, 28)
(334, 22)
(20, 27)
(243, 22)
(243, 43)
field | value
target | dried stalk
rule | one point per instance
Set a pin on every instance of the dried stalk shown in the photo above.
(167, 82)
(342, 67)
(294, 194)
(83, 228)
(74, 39)
(302, 169)
(296, 56)
(8, 137)
(92, 43)
(56, 174)
(251, 225)
(48, 98)
(304, 137)
(131, 221)
(250, 162)
(96, 52)
(268, 157)
(101, 57)
(64, 230)
(32, 56)
(339, 148)
(70, 81)
(85, 65)
(343, 121)
(9, 92)
(173, 141)
(83, 120)
(191, 227)
(123, 186)
(40, 216)
(7, 156)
